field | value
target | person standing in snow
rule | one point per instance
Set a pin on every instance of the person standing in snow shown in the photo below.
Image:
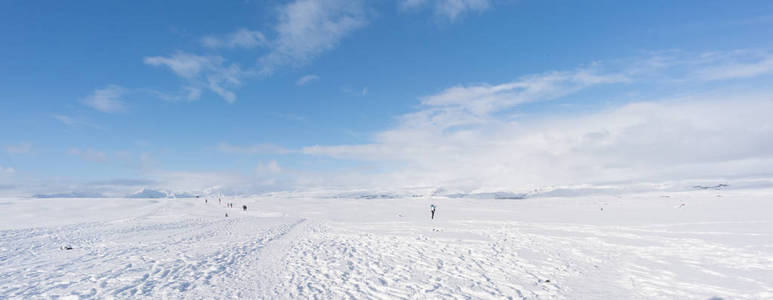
(244, 207)
(432, 210)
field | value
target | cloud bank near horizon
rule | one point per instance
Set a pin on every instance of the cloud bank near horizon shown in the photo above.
(663, 116)
(474, 137)
(478, 138)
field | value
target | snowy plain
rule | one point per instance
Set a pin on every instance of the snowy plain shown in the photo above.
(697, 244)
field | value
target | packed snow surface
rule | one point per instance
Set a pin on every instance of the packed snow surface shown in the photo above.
(700, 244)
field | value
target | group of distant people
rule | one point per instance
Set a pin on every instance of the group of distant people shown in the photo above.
(432, 207)
(229, 204)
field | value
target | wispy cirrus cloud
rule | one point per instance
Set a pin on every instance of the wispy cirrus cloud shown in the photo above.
(20, 148)
(66, 120)
(484, 98)
(241, 38)
(108, 99)
(688, 67)
(736, 65)
(227, 148)
(356, 92)
(89, 155)
(304, 29)
(448, 9)
(202, 72)
(186, 65)
(75, 122)
(306, 79)
(186, 93)
(307, 28)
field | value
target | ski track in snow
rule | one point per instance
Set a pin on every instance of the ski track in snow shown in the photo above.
(190, 258)
(179, 249)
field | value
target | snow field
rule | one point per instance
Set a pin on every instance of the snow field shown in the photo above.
(689, 245)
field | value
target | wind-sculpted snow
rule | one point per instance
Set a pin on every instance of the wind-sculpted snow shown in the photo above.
(691, 245)
(496, 260)
(192, 257)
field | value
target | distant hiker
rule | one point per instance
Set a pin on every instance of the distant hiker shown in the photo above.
(244, 207)
(218, 200)
(226, 215)
(205, 201)
(432, 210)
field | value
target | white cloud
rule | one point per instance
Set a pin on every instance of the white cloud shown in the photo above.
(186, 93)
(184, 64)
(21, 148)
(210, 72)
(355, 91)
(66, 120)
(107, 99)
(242, 38)
(640, 141)
(251, 150)
(449, 9)
(467, 136)
(482, 99)
(73, 121)
(687, 67)
(89, 155)
(307, 28)
(304, 29)
(271, 167)
(306, 79)
(7, 171)
(735, 65)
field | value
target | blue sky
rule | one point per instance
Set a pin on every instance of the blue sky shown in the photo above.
(249, 96)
